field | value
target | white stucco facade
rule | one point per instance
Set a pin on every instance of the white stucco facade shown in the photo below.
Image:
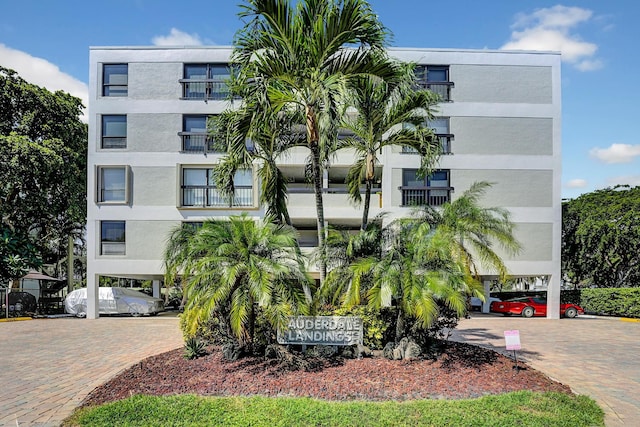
(504, 119)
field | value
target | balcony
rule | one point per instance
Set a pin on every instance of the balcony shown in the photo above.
(430, 196)
(209, 196)
(445, 145)
(205, 89)
(197, 142)
(442, 89)
(113, 248)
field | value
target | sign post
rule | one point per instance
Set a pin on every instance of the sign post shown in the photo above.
(512, 339)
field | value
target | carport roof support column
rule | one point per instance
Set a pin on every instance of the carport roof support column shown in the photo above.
(93, 281)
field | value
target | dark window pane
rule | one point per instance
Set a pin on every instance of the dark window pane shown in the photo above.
(113, 231)
(115, 79)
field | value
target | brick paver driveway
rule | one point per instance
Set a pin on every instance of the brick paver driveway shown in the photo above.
(49, 365)
(595, 356)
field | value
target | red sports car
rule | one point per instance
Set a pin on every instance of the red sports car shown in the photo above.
(530, 306)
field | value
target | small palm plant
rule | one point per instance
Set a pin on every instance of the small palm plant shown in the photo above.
(194, 348)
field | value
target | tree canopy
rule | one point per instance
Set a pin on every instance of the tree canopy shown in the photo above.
(601, 238)
(43, 149)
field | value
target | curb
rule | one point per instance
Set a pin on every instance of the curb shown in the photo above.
(15, 319)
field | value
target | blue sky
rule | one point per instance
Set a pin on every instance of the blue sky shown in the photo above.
(47, 42)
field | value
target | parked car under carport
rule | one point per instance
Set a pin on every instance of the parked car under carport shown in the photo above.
(114, 301)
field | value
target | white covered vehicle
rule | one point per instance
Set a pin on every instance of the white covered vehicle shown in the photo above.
(114, 301)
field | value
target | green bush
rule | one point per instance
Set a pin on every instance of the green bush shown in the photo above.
(194, 348)
(624, 302)
(376, 324)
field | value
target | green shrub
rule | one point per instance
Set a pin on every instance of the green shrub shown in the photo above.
(194, 348)
(624, 302)
(376, 324)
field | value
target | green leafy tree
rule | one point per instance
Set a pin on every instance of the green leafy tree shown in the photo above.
(17, 255)
(601, 238)
(388, 114)
(302, 57)
(43, 150)
(232, 267)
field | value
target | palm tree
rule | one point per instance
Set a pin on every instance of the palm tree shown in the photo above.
(237, 264)
(425, 260)
(302, 58)
(177, 256)
(351, 259)
(474, 230)
(416, 272)
(387, 114)
(260, 142)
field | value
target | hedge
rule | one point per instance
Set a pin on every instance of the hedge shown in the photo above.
(624, 302)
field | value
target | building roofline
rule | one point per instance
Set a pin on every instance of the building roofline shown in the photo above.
(390, 48)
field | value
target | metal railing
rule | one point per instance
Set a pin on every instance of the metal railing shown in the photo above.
(204, 89)
(113, 195)
(430, 196)
(113, 248)
(114, 142)
(209, 196)
(197, 142)
(440, 88)
(445, 145)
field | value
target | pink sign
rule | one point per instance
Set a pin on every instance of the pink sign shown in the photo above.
(512, 339)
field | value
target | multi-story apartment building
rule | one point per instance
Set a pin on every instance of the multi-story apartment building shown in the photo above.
(150, 159)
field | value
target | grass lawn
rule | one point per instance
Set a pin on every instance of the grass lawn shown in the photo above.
(511, 409)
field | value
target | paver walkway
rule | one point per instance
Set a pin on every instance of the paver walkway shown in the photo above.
(595, 356)
(48, 366)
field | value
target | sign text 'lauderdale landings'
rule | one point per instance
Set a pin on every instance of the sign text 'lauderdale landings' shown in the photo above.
(322, 330)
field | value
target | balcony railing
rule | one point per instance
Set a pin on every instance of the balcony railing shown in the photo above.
(204, 89)
(331, 190)
(114, 142)
(113, 248)
(209, 196)
(430, 196)
(441, 88)
(197, 142)
(445, 145)
(112, 195)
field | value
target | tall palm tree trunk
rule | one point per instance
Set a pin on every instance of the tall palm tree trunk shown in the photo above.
(367, 202)
(399, 325)
(313, 138)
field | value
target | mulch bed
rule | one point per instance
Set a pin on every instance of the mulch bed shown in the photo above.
(462, 371)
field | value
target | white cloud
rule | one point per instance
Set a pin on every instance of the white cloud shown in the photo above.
(43, 73)
(551, 29)
(616, 153)
(177, 38)
(632, 180)
(576, 183)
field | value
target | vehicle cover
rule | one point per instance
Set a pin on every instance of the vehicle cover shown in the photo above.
(113, 301)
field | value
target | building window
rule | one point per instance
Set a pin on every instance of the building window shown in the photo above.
(112, 238)
(440, 126)
(435, 78)
(199, 189)
(114, 131)
(113, 184)
(206, 81)
(432, 190)
(195, 138)
(115, 79)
